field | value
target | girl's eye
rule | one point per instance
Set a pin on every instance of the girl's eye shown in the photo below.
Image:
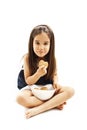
(46, 43)
(37, 42)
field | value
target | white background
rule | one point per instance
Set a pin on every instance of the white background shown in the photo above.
(68, 20)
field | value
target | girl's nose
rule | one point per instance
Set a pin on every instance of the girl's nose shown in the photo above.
(41, 47)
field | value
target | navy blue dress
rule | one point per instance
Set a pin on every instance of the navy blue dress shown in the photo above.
(21, 81)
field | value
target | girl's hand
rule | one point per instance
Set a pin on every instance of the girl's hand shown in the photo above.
(42, 70)
(56, 86)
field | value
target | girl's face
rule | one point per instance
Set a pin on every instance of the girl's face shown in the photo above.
(41, 44)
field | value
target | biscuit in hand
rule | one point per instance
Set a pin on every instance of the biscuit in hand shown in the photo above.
(42, 62)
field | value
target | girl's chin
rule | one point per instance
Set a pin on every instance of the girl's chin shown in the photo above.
(41, 56)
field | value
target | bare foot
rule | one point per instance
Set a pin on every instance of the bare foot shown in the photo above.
(28, 113)
(31, 112)
(60, 107)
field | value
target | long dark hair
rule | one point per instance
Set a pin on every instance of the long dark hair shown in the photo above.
(50, 57)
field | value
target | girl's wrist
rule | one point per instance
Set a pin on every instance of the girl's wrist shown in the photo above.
(55, 82)
(38, 74)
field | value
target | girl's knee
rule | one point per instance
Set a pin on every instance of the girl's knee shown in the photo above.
(70, 91)
(22, 100)
(19, 99)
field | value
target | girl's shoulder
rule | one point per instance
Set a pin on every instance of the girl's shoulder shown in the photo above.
(26, 57)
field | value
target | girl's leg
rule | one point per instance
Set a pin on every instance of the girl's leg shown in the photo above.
(65, 94)
(26, 99)
(60, 107)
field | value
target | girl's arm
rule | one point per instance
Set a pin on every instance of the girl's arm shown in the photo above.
(55, 77)
(55, 81)
(41, 71)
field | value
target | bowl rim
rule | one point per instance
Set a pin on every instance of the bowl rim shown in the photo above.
(41, 97)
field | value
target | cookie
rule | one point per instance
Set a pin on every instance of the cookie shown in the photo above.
(42, 62)
(43, 88)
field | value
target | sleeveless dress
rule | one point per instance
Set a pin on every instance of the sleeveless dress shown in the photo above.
(21, 80)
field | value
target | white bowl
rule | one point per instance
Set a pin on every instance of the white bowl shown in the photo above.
(43, 94)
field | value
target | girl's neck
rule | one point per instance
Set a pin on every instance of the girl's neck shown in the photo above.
(41, 58)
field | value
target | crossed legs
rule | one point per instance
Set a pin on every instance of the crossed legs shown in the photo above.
(36, 106)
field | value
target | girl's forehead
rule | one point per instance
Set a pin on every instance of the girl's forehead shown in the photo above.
(42, 35)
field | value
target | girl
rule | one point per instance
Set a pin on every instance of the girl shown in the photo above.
(41, 47)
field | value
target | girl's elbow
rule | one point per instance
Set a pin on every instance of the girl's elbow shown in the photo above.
(28, 81)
